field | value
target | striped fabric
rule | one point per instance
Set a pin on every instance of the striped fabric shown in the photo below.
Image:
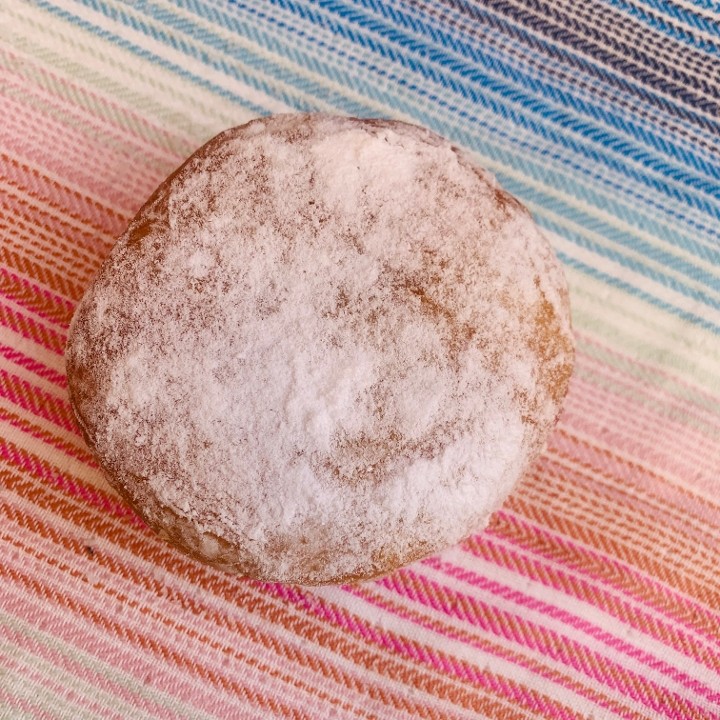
(595, 592)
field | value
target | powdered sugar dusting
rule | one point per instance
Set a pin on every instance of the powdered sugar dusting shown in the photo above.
(313, 346)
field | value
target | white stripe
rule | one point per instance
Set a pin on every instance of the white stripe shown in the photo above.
(584, 611)
(475, 656)
(237, 613)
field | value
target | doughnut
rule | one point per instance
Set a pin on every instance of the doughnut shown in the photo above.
(324, 348)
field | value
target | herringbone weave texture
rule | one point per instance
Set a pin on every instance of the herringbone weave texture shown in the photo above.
(595, 592)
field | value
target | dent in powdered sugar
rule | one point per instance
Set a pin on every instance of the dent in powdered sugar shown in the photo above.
(305, 366)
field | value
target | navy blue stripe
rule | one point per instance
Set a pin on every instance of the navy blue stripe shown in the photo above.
(195, 53)
(622, 75)
(567, 28)
(478, 81)
(665, 7)
(521, 55)
(478, 55)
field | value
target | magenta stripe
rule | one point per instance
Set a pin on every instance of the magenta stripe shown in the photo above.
(558, 647)
(556, 576)
(423, 655)
(64, 482)
(460, 610)
(40, 369)
(686, 608)
(63, 308)
(513, 656)
(37, 401)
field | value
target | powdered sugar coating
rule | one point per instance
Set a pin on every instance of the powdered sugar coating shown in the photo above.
(323, 348)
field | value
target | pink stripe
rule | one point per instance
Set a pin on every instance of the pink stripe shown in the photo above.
(632, 362)
(653, 436)
(516, 628)
(515, 657)
(62, 310)
(636, 416)
(64, 482)
(72, 89)
(121, 655)
(40, 369)
(101, 123)
(609, 465)
(687, 532)
(37, 401)
(445, 664)
(685, 608)
(76, 453)
(8, 666)
(89, 170)
(650, 388)
(22, 324)
(169, 630)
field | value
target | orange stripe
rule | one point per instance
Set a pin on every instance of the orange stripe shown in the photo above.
(621, 549)
(58, 283)
(25, 325)
(576, 558)
(33, 299)
(17, 243)
(33, 244)
(66, 236)
(584, 502)
(147, 547)
(77, 451)
(541, 669)
(586, 588)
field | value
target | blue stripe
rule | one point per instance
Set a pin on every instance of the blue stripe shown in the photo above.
(439, 101)
(710, 27)
(271, 89)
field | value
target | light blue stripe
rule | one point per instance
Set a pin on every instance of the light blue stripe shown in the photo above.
(202, 82)
(638, 293)
(480, 79)
(147, 55)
